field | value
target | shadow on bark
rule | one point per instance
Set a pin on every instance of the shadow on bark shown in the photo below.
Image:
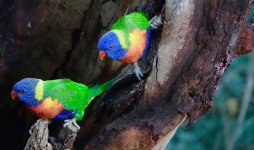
(186, 59)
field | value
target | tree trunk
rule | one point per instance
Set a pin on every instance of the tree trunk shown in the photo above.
(186, 59)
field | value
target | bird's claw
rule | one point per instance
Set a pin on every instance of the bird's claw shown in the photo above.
(138, 72)
(71, 121)
(155, 22)
(31, 129)
(151, 23)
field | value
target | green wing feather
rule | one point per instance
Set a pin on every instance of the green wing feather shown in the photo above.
(135, 20)
(73, 96)
(125, 24)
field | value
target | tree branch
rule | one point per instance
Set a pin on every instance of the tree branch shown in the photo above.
(40, 139)
(183, 66)
(163, 142)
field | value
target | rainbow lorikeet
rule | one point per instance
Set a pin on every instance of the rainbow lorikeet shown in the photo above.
(127, 41)
(60, 99)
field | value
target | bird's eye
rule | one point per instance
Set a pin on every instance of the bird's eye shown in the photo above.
(23, 91)
(111, 46)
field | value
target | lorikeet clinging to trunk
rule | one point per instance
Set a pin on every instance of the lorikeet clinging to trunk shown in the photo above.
(127, 41)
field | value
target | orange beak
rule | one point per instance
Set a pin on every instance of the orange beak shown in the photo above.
(102, 54)
(14, 95)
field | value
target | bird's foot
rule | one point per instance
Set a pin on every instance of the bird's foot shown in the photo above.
(71, 121)
(36, 125)
(137, 71)
(155, 22)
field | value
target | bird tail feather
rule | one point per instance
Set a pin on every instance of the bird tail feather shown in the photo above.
(98, 89)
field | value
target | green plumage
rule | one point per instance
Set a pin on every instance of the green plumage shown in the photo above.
(125, 24)
(73, 96)
(135, 20)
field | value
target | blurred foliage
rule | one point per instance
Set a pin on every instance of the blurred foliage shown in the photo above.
(251, 15)
(212, 131)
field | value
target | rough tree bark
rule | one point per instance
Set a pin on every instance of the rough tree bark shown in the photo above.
(40, 139)
(186, 59)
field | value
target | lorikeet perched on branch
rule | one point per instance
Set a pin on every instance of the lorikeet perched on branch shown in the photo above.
(56, 99)
(127, 40)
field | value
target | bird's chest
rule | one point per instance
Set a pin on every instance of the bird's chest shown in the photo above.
(47, 109)
(137, 40)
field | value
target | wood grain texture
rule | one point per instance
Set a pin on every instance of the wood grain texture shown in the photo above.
(182, 69)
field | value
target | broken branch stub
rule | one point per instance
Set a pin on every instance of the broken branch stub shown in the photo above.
(40, 139)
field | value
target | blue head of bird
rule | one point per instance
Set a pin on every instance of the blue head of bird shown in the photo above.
(24, 90)
(110, 44)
